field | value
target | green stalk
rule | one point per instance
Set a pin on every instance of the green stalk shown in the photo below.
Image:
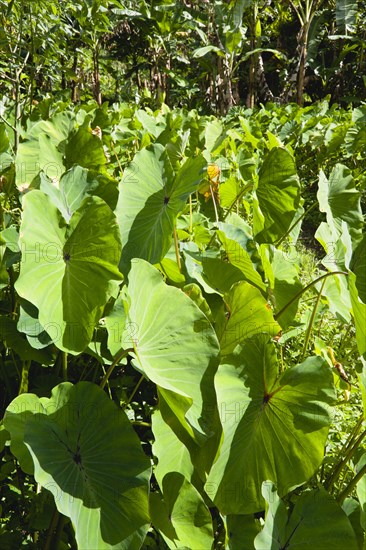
(278, 243)
(60, 527)
(5, 377)
(51, 529)
(237, 198)
(117, 159)
(311, 322)
(135, 390)
(352, 484)
(64, 365)
(176, 247)
(214, 203)
(190, 215)
(277, 315)
(352, 435)
(345, 448)
(347, 458)
(23, 387)
(120, 355)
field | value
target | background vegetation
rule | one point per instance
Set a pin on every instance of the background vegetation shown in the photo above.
(201, 54)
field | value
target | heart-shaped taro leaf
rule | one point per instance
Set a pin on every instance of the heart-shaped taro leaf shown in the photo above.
(316, 521)
(87, 454)
(73, 269)
(151, 196)
(247, 313)
(277, 196)
(274, 427)
(174, 345)
(340, 199)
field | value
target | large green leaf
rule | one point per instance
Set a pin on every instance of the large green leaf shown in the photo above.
(247, 313)
(39, 151)
(220, 275)
(277, 196)
(16, 341)
(274, 428)
(346, 16)
(337, 244)
(184, 512)
(67, 271)
(174, 345)
(171, 453)
(340, 200)
(241, 531)
(359, 314)
(29, 324)
(85, 149)
(16, 416)
(75, 185)
(175, 449)
(151, 196)
(240, 258)
(316, 521)
(86, 453)
(358, 267)
(190, 518)
(283, 275)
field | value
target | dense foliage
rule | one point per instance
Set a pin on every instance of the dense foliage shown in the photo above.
(177, 369)
(182, 275)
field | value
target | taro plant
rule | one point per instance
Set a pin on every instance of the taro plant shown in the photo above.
(168, 380)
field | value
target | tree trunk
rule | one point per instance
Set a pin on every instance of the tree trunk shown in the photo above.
(303, 47)
(250, 101)
(96, 74)
(225, 98)
(73, 85)
(264, 90)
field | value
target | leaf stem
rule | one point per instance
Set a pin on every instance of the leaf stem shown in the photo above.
(352, 436)
(117, 159)
(311, 322)
(214, 203)
(64, 365)
(135, 390)
(23, 387)
(280, 241)
(140, 423)
(176, 246)
(350, 452)
(51, 528)
(190, 215)
(352, 484)
(120, 355)
(7, 123)
(59, 528)
(297, 296)
(237, 198)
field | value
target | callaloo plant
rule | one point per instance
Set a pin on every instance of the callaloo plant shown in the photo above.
(174, 373)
